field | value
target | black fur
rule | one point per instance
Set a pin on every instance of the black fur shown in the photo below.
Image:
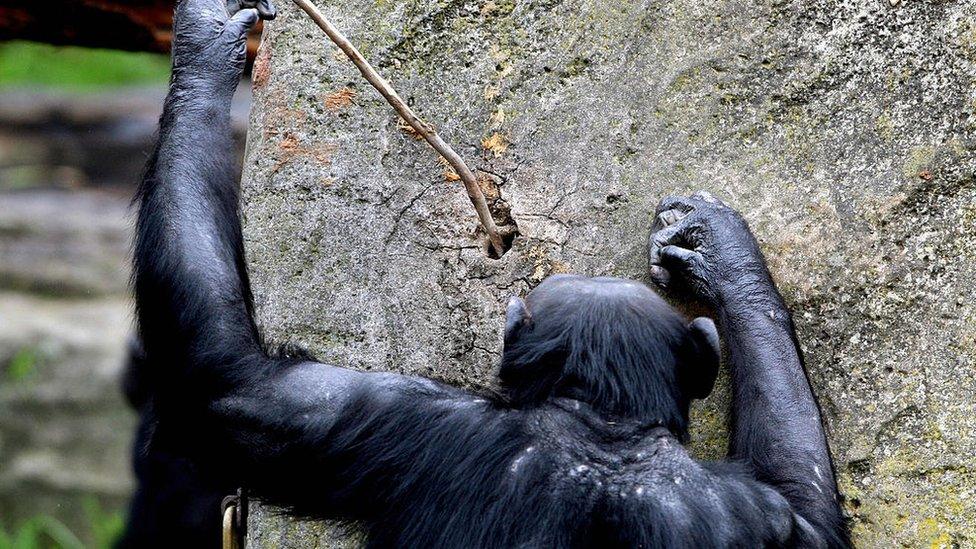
(173, 502)
(582, 448)
(435, 468)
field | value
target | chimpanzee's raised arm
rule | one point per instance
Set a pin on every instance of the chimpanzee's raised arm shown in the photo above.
(702, 248)
(295, 430)
(192, 294)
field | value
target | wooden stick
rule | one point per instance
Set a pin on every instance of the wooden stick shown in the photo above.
(386, 90)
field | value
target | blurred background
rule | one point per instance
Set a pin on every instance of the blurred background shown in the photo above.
(81, 87)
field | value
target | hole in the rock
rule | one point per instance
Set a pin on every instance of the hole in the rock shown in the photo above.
(502, 213)
(509, 234)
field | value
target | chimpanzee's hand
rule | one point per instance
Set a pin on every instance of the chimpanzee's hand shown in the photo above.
(210, 42)
(265, 8)
(701, 246)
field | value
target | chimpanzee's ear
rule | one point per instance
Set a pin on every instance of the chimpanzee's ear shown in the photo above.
(516, 316)
(706, 356)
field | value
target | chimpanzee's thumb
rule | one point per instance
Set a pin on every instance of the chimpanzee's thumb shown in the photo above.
(242, 21)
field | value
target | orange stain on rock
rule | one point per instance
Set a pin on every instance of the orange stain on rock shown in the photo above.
(497, 144)
(262, 67)
(339, 100)
(291, 148)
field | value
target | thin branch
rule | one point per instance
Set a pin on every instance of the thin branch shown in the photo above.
(427, 131)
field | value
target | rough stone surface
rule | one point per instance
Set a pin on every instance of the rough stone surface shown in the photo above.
(842, 130)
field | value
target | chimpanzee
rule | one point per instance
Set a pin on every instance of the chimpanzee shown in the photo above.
(580, 447)
(174, 500)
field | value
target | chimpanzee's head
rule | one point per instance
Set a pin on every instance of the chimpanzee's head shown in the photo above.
(610, 342)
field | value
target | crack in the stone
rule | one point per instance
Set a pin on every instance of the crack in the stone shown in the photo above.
(403, 211)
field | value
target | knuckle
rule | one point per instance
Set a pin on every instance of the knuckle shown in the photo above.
(662, 205)
(669, 202)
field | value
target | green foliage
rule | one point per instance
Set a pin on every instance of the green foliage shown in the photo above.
(106, 526)
(40, 532)
(22, 365)
(74, 68)
(45, 532)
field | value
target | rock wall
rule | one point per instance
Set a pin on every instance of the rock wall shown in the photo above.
(842, 130)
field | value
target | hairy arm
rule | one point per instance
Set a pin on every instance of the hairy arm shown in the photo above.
(704, 249)
(192, 295)
(303, 434)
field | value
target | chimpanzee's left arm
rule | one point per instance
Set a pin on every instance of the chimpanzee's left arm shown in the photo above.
(314, 437)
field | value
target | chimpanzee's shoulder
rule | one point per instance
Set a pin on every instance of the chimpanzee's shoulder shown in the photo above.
(642, 480)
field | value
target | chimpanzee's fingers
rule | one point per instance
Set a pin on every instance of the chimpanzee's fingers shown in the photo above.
(267, 10)
(680, 203)
(676, 266)
(681, 264)
(658, 240)
(660, 276)
(667, 218)
(239, 25)
(679, 260)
